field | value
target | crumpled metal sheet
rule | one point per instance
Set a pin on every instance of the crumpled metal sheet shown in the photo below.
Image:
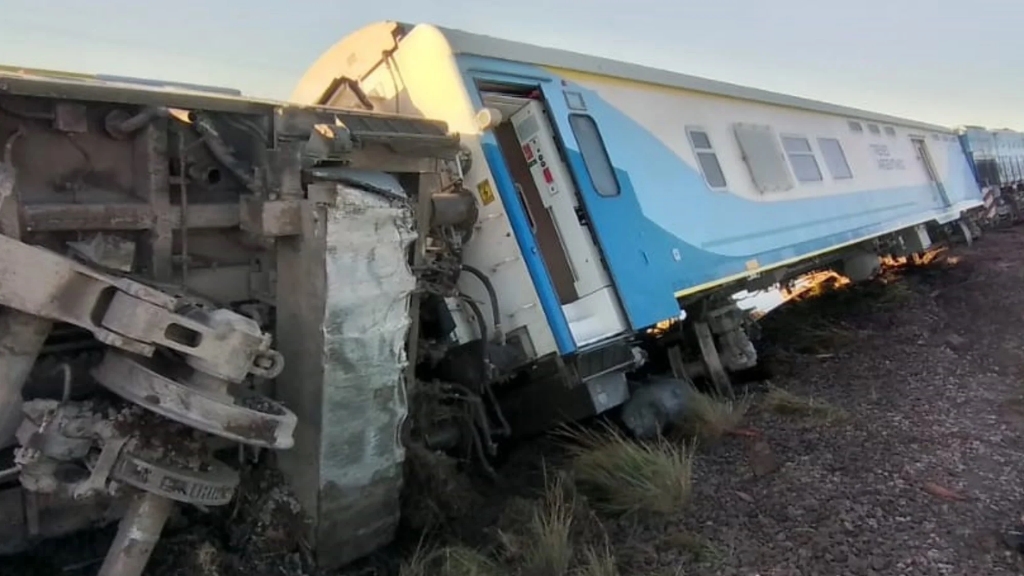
(382, 182)
(369, 287)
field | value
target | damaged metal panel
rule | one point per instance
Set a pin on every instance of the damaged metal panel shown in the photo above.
(369, 286)
(344, 330)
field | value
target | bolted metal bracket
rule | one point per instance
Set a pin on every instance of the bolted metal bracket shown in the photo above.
(97, 480)
(270, 217)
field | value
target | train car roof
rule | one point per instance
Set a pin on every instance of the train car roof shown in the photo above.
(469, 43)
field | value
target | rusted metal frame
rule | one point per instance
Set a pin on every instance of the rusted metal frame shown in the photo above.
(298, 121)
(151, 183)
(382, 159)
(123, 216)
(22, 334)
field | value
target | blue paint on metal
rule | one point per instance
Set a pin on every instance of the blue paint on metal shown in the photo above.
(667, 231)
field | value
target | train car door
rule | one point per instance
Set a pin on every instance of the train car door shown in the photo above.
(588, 298)
(921, 150)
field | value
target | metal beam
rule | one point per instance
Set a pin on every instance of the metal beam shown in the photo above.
(124, 216)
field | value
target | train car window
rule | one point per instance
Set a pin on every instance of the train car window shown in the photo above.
(873, 128)
(835, 158)
(801, 158)
(706, 157)
(889, 130)
(595, 155)
(855, 126)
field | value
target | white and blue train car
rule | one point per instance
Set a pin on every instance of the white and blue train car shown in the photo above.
(611, 194)
(997, 159)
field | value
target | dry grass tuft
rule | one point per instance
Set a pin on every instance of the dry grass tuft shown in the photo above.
(548, 550)
(710, 417)
(598, 562)
(449, 561)
(621, 476)
(787, 403)
(537, 535)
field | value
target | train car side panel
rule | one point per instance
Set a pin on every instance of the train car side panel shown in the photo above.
(669, 231)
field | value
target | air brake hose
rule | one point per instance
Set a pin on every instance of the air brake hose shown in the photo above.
(493, 296)
(482, 325)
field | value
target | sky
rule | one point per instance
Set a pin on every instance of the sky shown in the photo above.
(950, 62)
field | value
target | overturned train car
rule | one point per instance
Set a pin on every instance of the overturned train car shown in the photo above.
(187, 272)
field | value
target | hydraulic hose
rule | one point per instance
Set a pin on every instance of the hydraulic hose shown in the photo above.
(492, 295)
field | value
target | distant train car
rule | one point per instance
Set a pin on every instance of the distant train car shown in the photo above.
(1009, 149)
(996, 158)
(980, 147)
(612, 195)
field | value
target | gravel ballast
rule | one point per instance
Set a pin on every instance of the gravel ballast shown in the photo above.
(923, 475)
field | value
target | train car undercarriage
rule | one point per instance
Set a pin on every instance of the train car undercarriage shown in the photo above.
(152, 242)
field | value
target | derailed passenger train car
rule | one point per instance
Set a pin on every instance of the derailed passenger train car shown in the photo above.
(615, 197)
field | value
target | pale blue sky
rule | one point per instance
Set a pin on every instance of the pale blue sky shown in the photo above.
(945, 61)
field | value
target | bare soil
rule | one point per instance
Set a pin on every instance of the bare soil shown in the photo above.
(920, 473)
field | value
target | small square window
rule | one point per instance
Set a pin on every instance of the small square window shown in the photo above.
(835, 158)
(707, 158)
(801, 158)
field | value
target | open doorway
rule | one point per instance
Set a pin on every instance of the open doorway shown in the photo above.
(543, 181)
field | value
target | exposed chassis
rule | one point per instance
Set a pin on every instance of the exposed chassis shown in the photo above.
(157, 246)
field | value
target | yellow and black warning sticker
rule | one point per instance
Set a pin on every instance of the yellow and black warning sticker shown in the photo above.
(485, 191)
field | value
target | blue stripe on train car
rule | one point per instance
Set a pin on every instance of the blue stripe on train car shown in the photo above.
(665, 208)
